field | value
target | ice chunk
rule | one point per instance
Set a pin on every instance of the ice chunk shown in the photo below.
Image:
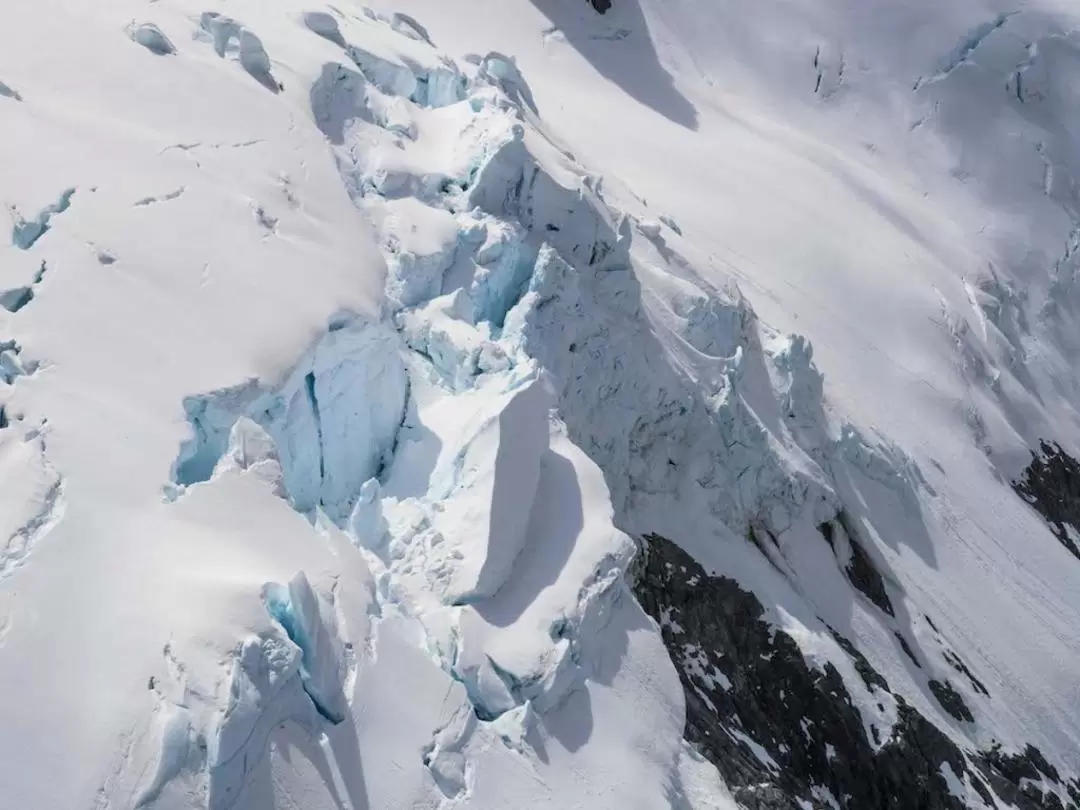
(409, 27)
(391, 77)
(25, 232)
(253, 56)
(311, 624)
(251, 448)
(425, 243)
(505, 265)
(325, 26)
(339, 417)
(440, 87)
(334, 420)
(211, 416)
(153, 39)
(6, 91)
(222, 30)
(249, 444)
(714, 325)
(15, 299)
(552, 280)
(174, 733)
(503, 71)
(498, 186)
(490, 484)
(443, 332)
(671, 223)
(263, 677)
(366, 523)
(12, 365)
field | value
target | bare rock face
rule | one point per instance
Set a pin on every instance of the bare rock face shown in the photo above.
(786, 735)
(1051, 484)
(600, 5)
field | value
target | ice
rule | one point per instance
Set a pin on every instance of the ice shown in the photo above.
(153, 39)
(25, 233)
(502, 70)
(7, 92)
(311, 624)
(446, 335)
(413, 71)
(176, 741)
(423, 249)
(17, 298)
(489, 483)
(366, 523)
(263, 690)
(34, 502)
(332, 432)
(349, 396)
(442, 332)
(325, 26)
(222, 30)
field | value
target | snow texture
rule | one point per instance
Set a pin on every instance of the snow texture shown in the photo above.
(345, 351)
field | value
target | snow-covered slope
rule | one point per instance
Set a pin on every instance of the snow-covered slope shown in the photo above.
(507, 404)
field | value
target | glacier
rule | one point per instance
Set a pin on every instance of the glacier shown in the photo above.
(534, 404)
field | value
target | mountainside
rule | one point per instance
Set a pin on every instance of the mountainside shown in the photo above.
(540, 403)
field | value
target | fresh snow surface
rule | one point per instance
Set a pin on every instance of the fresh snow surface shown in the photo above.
(344, 351)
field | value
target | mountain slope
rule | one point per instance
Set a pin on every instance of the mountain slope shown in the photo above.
(513, 404)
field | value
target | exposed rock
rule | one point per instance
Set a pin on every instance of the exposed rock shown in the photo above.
(1051, 484)
(600, 5)
(786, 735)
(950, 700)
(866, 578)
(1014, 777)
(842, 536)
(907, 649)
(962, 668)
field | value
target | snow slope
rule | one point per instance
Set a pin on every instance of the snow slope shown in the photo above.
(345, 353)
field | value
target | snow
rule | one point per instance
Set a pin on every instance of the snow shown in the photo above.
(343, 351)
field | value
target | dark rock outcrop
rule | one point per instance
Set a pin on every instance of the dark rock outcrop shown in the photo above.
(950, 700)
(1051, 484)
(860, 569)
(782, 732)
(1012, 777)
